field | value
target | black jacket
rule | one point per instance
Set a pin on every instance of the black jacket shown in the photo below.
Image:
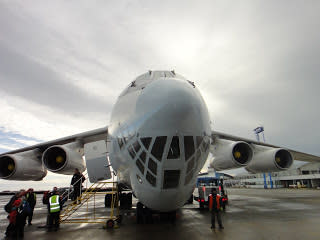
(75, 178)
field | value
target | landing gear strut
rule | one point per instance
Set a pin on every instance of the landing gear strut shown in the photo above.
(144, 215)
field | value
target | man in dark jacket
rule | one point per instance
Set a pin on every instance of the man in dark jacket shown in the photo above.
(76, 182)
(215, 205)
(32, 200)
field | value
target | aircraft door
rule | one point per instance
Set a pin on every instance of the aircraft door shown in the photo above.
(96, 160)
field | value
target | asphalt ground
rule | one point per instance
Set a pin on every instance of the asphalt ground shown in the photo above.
(251, 214)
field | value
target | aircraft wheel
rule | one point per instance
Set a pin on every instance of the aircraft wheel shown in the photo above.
(139, 213)
(110, 224)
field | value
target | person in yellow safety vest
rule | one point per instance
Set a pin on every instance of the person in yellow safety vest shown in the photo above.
(54, 208)
(215, 205)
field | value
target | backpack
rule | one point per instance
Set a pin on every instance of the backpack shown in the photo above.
(26, 209)
(8, 206)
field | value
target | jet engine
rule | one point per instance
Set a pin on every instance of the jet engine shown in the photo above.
(22, 166)
(229, 154)
(268, 159)
(64, 159)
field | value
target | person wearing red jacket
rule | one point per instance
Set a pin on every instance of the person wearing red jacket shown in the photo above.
(13, 229)
(215, 205)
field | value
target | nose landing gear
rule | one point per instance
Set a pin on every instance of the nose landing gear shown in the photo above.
(147, 216)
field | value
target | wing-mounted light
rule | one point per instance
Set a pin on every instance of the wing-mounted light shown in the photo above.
(230, 154)
(267, 159)
(22, 166)
(64, 159)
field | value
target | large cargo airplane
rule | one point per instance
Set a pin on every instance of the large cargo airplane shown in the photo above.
(158, 140)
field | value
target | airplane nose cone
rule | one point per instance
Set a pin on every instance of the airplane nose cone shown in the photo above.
(173, 103)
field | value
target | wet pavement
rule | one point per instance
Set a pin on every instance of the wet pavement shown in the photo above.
(251, 214)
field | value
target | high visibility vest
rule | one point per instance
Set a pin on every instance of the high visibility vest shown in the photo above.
(218, 201)
(211, 201)
(34, 196)
(54, 204)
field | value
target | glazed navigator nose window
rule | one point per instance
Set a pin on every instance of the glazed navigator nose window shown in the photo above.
(171, 179)
(188, 146)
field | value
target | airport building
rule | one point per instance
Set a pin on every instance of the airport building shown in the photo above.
(307, 176)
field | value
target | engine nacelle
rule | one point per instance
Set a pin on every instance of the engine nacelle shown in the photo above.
(268, 159)
(229, 154)
(22, 166)
(64, 159)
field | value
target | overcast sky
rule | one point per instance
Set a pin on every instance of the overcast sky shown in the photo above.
(63, 64)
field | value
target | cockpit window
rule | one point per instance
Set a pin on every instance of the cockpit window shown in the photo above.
(146, 142)
(151, 179)
(136, 146)
(171, 179)
(143, 80)
(152, 165)
(131, 152)
(143, 156)
(158, 147)
(174, 150)
(188, 146)
(140, 166)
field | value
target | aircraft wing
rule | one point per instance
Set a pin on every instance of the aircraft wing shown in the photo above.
(62, 156)
(85, 137)
(295, 154)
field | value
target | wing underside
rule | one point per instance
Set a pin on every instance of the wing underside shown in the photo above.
(62, 155)
(233, 152)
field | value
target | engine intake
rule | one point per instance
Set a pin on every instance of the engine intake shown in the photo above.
(64, 159)
(22, 166)
(7, 166)
(229, 154)
(268, 159)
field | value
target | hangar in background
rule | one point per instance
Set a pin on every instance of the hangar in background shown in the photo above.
(307, 176)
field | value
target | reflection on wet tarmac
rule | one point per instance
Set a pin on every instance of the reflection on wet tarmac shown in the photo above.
(252, 214)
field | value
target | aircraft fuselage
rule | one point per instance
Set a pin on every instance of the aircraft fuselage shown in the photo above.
(160, 137)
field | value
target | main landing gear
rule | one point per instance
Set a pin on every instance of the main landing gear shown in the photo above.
(147, 216)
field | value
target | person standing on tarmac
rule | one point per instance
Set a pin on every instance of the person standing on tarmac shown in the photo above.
(215, 205)
(76, 182)
(54, 208)
(9, 208)
(32, 200)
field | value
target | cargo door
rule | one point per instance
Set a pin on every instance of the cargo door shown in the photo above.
(96, 157)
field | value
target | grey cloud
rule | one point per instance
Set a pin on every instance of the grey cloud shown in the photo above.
(260, 58)
(24, 77)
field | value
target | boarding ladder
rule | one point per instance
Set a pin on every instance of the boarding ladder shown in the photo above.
(66, 215)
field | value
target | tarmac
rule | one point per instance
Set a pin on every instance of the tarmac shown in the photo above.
(251, 214)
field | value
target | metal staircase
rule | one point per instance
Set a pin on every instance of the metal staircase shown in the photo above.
(66, 215)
